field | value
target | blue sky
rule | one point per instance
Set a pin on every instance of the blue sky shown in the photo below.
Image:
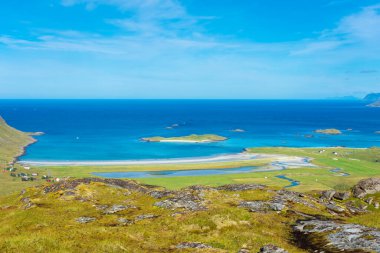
(189, 48)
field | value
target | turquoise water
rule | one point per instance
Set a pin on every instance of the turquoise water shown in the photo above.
(174, 173)
(85, 130)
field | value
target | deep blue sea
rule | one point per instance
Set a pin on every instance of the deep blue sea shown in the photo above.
(82, 130)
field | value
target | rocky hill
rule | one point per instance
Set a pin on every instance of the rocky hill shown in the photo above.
(111, 215)
(373, 99)
(12, 142)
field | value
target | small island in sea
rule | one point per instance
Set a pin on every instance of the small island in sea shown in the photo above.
(193, 138)
(331, 131)
(238, 130)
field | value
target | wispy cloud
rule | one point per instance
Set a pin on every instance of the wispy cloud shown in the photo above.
(148, 17)
(368, 71)
(161, 45)
(360, 30)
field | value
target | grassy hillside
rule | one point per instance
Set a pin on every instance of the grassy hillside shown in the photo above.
(12, 143)
(122, 216)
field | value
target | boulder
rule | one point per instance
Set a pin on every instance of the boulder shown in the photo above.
(327, 194)
(124, 221)
(262, 206)
(331, 236)
(186, 199)
(193, 245)
(116, 208)
(241, 187)
(84, 220)
(160, 194)
(369, 200)
(272, 249)
(342, 195)
(366, 186)
(335, 208)
(145, 216)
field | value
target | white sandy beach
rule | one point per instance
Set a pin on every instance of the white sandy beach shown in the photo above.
(288, 161)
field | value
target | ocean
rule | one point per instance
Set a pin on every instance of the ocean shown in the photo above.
(110, 130)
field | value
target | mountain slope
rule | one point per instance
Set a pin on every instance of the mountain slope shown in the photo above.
(12, 142)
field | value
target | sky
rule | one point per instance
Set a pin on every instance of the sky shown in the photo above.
(216, 49)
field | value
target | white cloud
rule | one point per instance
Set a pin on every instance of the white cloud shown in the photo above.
(363, 26)
(149, 17)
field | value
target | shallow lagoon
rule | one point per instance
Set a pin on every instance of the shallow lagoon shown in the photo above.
(174, 173)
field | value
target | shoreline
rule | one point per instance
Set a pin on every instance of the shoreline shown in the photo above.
(189, 160)
(23, 150)
(243, 156)
(277, 159)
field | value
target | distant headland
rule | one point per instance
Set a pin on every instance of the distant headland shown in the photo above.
(373, 99)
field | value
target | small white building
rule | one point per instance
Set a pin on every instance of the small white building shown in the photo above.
(27, 167)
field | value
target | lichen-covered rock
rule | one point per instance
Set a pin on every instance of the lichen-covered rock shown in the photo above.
(286, 197)
(185, 199)
(354, 209)
(84, 220)
(366, 186)
(272, 249)
(73, 183)
(193, 245)
(124, 221)
(145, 216)
(342, 195)
(327, 194)
(160, 194)
(116, 208)
(335, 208)
(241, 187)
(262, 206)
(331, 236)
(27, 203)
